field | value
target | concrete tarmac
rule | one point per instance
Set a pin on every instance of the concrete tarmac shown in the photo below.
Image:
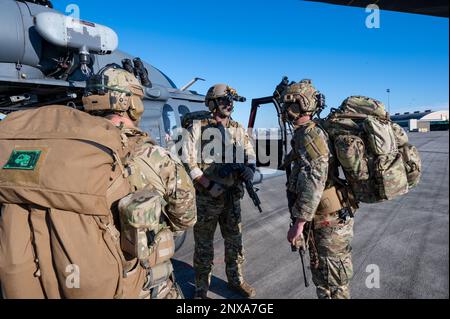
(406, 239)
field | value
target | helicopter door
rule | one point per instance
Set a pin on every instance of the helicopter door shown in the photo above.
(272, 143)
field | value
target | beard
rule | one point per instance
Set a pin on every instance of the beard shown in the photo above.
(225, 111)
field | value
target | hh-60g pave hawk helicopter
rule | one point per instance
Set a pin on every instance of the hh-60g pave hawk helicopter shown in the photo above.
(45, 58)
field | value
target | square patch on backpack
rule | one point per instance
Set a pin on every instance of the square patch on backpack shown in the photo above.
(23, 160)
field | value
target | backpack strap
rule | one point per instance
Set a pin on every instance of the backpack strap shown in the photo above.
(120, 174)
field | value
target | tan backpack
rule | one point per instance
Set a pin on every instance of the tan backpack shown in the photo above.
(61, 176)
(377, 160)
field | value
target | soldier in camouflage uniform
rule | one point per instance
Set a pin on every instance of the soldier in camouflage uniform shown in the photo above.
(318, 199)
(218, 197)
(151, 168)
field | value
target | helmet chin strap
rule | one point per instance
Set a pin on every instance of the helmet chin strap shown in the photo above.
(222, 115)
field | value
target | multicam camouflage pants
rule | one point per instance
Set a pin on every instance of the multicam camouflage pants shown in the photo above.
(333, 269)
(169, 290)
(226, 213)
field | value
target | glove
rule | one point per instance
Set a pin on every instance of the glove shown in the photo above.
(215, 189)
(248, 174)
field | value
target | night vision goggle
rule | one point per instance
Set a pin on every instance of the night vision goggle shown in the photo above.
(231, 96)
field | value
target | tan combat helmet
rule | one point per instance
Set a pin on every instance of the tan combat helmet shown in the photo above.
(115, 90)
(301, 99)
(221, 91)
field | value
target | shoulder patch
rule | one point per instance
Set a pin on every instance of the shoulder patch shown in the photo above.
(315, 143)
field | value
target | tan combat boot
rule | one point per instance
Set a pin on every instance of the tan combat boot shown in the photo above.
(244, 289)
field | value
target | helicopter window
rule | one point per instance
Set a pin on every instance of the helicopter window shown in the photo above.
(183, 110)
(169, 121)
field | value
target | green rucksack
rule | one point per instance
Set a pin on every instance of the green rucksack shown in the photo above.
(378, 162)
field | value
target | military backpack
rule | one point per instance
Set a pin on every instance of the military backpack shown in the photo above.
(62, 175)
(377, 160)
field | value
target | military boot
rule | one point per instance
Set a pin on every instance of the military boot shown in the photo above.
(244, 289)
(201, 294)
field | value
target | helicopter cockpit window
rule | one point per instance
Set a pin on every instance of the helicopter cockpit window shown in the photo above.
(169, 121)
(183, 110)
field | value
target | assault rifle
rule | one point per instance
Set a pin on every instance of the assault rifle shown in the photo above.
(229, 169)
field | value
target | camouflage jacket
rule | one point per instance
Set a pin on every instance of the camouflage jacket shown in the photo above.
(209, 145)
(312, 170)
(151, 166)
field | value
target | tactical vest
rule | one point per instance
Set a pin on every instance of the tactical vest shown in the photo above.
(211, 170)
(145, 231)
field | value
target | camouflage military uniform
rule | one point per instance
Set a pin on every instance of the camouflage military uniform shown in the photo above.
(47, 242)
(314, 170)
(147, 165)
(224, 210)
(156, 169)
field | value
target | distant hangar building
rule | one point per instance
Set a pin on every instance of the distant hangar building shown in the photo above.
(423, 121)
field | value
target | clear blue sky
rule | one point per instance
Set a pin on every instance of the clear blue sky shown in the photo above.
(252, 44)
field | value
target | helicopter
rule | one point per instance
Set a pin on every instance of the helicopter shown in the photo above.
(46, 58)
(38, 67)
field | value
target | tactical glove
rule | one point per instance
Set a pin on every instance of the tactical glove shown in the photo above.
(248, 174)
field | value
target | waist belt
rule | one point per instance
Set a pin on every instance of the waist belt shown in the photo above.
(334, 200)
